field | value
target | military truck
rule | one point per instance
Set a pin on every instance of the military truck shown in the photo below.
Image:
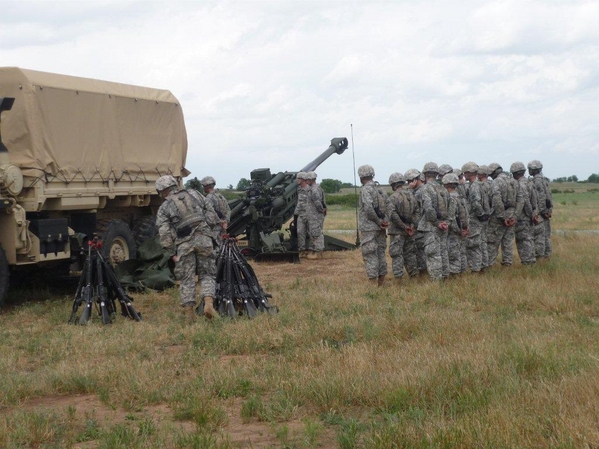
(79, 156)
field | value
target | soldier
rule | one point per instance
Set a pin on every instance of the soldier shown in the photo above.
(433, 224)
(415, 184)
(184, 222)
(443, 170)
(457, 217)
(485, 191)
(301, 212)
(373, 221)
(220, 205)
(402, 218)
(542, 231)
(461, 183)
(503, 218)
(318, 210)
(477, 217)
(526, 216)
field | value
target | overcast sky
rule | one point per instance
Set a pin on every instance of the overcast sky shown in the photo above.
(269, 83)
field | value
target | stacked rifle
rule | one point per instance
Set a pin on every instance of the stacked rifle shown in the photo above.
(99, 288)
(237, 288)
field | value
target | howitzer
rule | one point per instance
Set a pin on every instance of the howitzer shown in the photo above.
(269, 203)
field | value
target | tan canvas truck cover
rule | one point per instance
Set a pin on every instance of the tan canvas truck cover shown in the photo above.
(70, 128)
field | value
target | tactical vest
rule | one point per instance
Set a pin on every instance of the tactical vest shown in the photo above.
(442, 202)
(191, 213)
(407, 207)
(511, 192)
(382, 200)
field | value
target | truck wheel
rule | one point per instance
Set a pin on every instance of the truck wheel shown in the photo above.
(118, 242)
(144, 229)
(4, 274)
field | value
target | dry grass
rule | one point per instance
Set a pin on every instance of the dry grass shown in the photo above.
(507, 359)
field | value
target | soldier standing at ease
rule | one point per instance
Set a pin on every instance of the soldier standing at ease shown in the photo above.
(477, 217)
(301, 212)
(485, 191)
(184, 222)
(433, 224)
(318, 210)
(220, 205)
(542, 231)
(402, 218)
(415, 184)
(457, 217)
(526, 216)
(503, 218)
(372, 222)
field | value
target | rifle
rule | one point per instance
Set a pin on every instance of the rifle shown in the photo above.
(88, 291)
(101, 293)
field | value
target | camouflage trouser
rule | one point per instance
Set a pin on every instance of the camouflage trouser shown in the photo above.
(420, 257)
(315, 232)
(474, 249)
(500, 235)
(525, 242)
(464, 258)
(444, 253)
(374, 246)
(454, 250)
(483, 244)
(303, 228)
(432, 251)
(186, 269)
(547, 226)
(402, 250)
(538, 235)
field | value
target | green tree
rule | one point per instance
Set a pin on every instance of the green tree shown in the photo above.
(594, 178)
(194, 184)
(243, 184)
(331, 185)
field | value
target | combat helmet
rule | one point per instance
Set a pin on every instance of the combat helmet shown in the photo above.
(411, 174)
(444, 169)
(535, 165)
(493, 167)
(165, 182)
(517, 167)
(366, 171)
(396, 178)
(301, 175)
(208, 180)
(470, 167)
(482, 170)
(450, 178)
(430, 167)
(310, 175)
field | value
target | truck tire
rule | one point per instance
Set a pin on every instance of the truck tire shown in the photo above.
(4, 275)
(144, 229)
(118, 242)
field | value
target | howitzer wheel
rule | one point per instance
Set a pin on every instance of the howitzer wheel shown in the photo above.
(4, 275)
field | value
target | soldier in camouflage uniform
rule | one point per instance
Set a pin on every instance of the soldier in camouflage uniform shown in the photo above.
(461, 183)
(503, 218)
(415, 184)
(443, 170)
(433, 223)
(373, 222)
(317, 208)
(184, 222)
(220, 205)
(402, 218)
(485, 191)
(526, 216)
(477, 217)
(457, 217)
(541, 231)
(301, 212)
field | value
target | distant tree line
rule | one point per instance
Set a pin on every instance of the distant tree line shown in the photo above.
(594, 178)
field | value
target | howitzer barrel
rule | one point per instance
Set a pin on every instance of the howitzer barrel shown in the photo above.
(338, 145)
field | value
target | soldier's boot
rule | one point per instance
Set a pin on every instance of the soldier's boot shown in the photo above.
(320, 254)
(398, 281)
(381, 280)
(209, 311)
(303, 254)
(189, 313)
(373, 281)
(311, 255)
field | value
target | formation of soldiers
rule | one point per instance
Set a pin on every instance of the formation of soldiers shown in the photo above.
(310, 211)
(446, 222)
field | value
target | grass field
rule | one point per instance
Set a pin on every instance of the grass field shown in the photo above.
(509, 359)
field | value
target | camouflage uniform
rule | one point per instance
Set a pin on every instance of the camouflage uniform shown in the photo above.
(184, 223)
(223, 211)
(316, 207)
(524, 236)
(477, 217)
(402, 247)
(374, 238)
(542, 231)
(434, 211)
(485, 194)
(419, 236)
(301, 211)
(504, 198)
